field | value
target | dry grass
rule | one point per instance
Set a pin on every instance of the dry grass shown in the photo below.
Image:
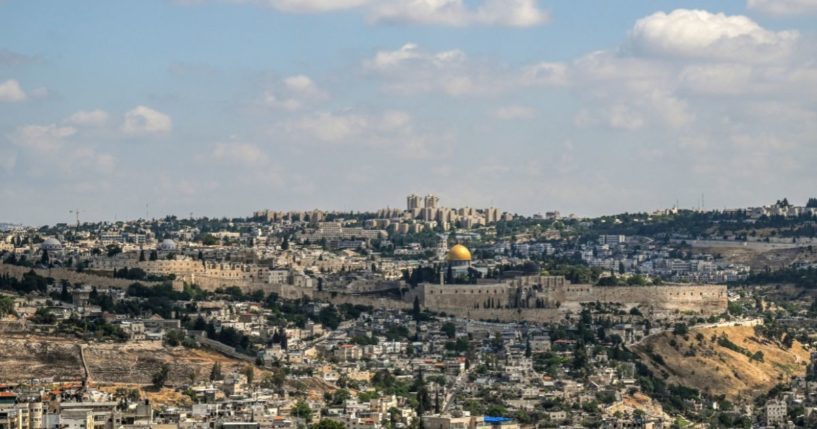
(719, 370)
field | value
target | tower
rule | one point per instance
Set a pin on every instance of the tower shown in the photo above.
(431, 201)
(413, 202)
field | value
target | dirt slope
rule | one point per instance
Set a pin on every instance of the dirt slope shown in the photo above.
(719, 370)
(27, 357)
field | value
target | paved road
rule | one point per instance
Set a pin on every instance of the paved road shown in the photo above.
(458, 383)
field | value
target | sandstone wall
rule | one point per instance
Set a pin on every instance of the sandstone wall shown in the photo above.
(72, 276)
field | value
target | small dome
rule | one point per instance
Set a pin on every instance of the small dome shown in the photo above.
(51, 244)
(459, 253)
(167, 245)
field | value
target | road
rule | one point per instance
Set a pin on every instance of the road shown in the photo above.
(458, 383)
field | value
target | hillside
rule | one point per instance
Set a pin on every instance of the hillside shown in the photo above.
(709, 366)
(27, 356)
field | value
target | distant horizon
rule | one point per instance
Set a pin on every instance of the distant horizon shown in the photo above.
(562, 213)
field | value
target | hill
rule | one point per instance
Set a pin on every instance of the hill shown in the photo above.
(719, 361)
(32, 356)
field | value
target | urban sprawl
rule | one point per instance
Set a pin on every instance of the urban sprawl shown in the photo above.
(424, 317)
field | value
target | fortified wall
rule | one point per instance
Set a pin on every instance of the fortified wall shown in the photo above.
(553, 292)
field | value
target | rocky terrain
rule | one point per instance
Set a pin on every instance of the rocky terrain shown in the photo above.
(27, 356)
(696, 360)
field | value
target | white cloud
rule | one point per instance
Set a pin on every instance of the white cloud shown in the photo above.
(95, 117)
(545, 73)
(10, 91)
(42, 138)
(330, 127)
(510, 13)
(514, 112)
(293, 93)
(783, 7)
(307, 6)
(506, 13)
(143, 120)
(46, 145)
(687, 33)
(412, 70)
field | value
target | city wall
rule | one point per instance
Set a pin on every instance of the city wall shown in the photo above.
(539, 293)
(72, 276)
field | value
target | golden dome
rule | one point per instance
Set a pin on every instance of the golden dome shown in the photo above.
(459, 253)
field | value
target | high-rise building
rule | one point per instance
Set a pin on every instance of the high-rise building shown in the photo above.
(431, 201)
(413, 201)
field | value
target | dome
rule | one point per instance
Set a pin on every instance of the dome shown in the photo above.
(51, 244)
(459, 253)
(167, 245)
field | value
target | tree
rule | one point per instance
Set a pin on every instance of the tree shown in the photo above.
(160, 378)
(65, 296)
(44, 258)
(621, 269)
(680, 329)
(249, 372)
(449, 329)
(215, 372)
(113, 250)
(415, 311)
(154, 255)
(6, 305)
(142, 255)
(285, 244)
(275, 379)
(302, 410)
(812, 203)
(528, 350)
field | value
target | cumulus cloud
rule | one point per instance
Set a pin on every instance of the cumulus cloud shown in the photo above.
(10, 92)
(783, 7)
(700, 34)
(95, 117)
(143, 120)
(293, 93)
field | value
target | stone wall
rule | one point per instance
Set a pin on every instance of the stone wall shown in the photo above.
(541, 293)
(72, 276)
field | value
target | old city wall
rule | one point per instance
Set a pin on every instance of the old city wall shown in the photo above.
(387, 303)
(704, 299)
(537, 315)
(71, 276)
(463, 296)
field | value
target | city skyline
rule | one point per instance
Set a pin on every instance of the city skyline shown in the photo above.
(223, 107)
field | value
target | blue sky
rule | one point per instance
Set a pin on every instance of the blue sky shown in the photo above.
(222, 107)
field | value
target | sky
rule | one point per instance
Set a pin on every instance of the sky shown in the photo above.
(122, 109)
